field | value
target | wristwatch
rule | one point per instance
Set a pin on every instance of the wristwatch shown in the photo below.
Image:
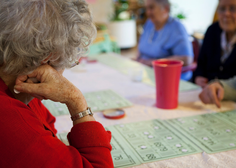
(82, 114)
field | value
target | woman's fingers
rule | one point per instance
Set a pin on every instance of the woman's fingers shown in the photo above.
(220, 93)
(24, 79)
(21, 79)
(217, 92)
(213, 97)
(212, 94)
(204, 97)
(32, 80)
(46, 83)
(31, 88)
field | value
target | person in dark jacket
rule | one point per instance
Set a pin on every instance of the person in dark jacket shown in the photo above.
(217, 58)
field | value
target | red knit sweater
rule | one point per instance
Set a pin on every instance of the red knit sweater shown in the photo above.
(28, 140)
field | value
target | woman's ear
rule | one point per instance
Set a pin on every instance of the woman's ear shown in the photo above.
(45, 61)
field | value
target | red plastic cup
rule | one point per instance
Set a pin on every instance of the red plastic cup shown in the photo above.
(167, 75)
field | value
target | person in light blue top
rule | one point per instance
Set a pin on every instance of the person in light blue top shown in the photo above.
(164, 37)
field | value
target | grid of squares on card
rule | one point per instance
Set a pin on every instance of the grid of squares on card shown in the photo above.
(98, 101)
(155, 140)
(146, 141)
(215, 132)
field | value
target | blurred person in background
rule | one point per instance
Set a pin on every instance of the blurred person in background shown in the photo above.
(164, 37)
(217, 58)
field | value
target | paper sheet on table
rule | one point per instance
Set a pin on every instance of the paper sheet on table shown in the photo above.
(98, 101)
(155, 140)
(215, 132)
(151, 141)
(125, 65)
(146, 141)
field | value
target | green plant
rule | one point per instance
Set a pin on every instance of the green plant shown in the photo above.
(177, 12)
(180, 16)
(121, 10)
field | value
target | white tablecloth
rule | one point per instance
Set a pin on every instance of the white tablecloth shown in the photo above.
(96, 76)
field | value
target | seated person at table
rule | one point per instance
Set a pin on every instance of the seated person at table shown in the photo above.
(38, 39)
(219, 90)
(217, 58)
(164, 37)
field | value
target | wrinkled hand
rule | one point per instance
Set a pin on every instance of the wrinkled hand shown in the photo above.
(212, 94)
(145, 62)
(51, 85)
(201, 81)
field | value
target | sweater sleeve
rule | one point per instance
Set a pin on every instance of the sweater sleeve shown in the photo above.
(202, 57)
(229, 89)
(26, 143)
(85, 139)
(50, 119)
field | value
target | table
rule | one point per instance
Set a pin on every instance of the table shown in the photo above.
(97, 76)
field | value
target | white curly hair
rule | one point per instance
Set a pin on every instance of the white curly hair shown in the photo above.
(32, 30)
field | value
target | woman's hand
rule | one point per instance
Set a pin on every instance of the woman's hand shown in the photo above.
(52, 85)
(212, 94)
(146, 62)
(201, 81)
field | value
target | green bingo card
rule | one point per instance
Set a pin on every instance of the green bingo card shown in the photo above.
(229, 116)
(155, 140)
(213, 133)
(106, 99)
(98, 101)
(146, 141)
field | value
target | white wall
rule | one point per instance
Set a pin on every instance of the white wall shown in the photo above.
(199, 13)
(101, 10)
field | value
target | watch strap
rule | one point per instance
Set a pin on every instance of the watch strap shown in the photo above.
(82, 114)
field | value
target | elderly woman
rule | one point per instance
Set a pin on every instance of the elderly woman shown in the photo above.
(164, 37)
(217, 56)
(38, 39)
